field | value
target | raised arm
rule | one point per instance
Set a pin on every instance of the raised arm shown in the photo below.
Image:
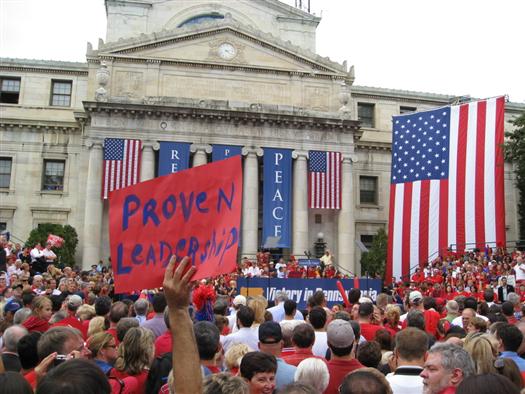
(186, 365)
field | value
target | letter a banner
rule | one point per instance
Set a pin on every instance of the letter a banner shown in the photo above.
(277, 198)
(189, 213)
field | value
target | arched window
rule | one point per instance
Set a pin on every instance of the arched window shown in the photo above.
(201, 18)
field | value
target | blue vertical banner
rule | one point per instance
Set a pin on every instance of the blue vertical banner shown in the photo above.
(221, 152)
(173, 157)
(277, 198)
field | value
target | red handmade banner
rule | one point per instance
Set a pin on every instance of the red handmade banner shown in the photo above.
(55, 241)
(194, 213)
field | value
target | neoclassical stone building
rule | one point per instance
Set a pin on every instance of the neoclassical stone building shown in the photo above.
(208, 72)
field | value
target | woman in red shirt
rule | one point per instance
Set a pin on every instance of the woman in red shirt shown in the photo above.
(135, 355)
(42, 312)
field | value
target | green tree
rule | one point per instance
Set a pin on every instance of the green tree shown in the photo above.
(66, 253)
(515, 152)
(374, 261)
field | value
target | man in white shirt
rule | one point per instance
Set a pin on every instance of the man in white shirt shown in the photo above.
(48, 254)
(408, 360)
(318, 318)
(520, 269)
(246, 334)
(278, 312)
(238, 301)
(36, 252)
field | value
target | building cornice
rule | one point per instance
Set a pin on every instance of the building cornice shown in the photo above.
(44, 66)
(39, 125)
(215, 110)
(373, 146)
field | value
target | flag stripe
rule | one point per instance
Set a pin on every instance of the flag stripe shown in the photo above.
(433, 219)
(479, 203)
(407, 216)
(443, 215)
(452, 179)
(423, 220)
(414, 230)
(460, 180)
(470, 177)
(489, 182)
(499, 172)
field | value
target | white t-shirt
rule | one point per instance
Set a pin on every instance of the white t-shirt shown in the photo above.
(520, 273)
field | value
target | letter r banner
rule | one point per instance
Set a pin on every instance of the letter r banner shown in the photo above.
(277, 198)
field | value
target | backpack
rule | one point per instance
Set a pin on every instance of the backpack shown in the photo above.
(158, 373)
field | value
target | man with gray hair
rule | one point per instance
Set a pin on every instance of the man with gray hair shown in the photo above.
(445, 368)
(9, 353)
(141, 310)
(277, 311)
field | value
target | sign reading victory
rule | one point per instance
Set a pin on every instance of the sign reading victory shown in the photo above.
(190, 213)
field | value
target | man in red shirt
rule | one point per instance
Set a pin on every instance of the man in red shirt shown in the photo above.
(303, 339)
(341, 340)
(368, 330)
(163, 343)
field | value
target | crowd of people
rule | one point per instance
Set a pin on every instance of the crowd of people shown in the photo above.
(456, 325)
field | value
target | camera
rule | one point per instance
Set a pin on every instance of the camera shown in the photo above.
(59, 359)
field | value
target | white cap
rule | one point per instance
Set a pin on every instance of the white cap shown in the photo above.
(239, 300)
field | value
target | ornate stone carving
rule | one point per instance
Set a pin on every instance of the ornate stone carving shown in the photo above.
(102, 76)
(344, 98)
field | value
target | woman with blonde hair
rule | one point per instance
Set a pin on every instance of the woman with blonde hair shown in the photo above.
(233, 356)
(86, 312)
(482, 352)
(42, 312)
(259, 305)
(96, 325)
(135, 356)
(392, 316)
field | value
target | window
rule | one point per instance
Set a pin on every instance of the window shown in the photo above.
(9, 90)
(367, 240)
(5, 172)
(53, 175)
(407, 110)
(202, 18)
(318, 218)
(3, 226)
(365, 114)
(61, 93)
(368, 189)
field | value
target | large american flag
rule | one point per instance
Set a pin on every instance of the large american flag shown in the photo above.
(325, 180)
(121, 164)
(446, 183)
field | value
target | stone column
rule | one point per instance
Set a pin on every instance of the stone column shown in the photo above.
(300, 203)
(250, 202)
(346, 221)
(147, 167)
(94, 206)
(200, 151)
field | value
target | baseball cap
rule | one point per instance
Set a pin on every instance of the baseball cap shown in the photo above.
(12, 306)
(74, 301)
(415, 295)
(340, 334)
(270, 332)
(239, 300)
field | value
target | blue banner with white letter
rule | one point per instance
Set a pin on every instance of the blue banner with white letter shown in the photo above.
(300, 289)
(173, 157)
(277, 198)
(221, 152)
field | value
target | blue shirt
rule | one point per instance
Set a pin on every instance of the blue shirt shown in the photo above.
(285, 373)
(104, 366)
(514, 357)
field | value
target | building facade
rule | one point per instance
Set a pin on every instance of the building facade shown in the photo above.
(205, 73)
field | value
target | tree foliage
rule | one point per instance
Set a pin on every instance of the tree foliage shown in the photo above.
(374, 261)
(515, 152)
(66, 253)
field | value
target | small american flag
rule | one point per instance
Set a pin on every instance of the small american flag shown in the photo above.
(447, 183)
(325, 180)
(121, 164)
